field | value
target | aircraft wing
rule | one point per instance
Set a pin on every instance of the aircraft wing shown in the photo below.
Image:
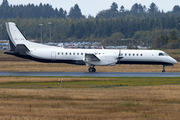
(91, 57)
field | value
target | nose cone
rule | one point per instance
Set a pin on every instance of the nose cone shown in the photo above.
(173, 61)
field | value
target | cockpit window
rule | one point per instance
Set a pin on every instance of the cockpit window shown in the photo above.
(163, 54)
(166, 54)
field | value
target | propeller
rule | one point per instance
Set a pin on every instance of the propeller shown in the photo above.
(119, 57)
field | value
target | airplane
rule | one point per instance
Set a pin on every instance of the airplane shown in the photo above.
(23, 48)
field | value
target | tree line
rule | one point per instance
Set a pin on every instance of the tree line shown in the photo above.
(47, 11)
(137, 10)
(138, 26)
(37, 11)
(108, 31)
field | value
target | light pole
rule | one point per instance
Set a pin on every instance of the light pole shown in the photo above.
(41, 32)
(1, 31)
(179, 41)
(49, 23)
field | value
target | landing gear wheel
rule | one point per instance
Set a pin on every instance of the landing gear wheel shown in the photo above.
(92, 69)
(163, 71)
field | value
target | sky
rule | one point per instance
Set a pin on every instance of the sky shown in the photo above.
(92, 7)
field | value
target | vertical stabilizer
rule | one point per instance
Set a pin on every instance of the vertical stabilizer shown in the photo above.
(15, 36)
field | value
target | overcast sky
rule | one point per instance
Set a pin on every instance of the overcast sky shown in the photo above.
(92, 7)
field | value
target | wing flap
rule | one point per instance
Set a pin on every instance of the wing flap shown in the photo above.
(91, 57)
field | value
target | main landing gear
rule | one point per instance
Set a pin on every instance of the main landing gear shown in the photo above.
(163, 69)
(92, 69)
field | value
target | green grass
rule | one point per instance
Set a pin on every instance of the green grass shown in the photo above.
(131, 103)
(174, 52)
(117, 82)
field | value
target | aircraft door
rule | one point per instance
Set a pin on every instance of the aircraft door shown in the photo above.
(53, 56)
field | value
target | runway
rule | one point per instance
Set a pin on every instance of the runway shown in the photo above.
(97, 74)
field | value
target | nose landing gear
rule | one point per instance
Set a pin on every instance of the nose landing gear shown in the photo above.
(163, 69)
(92, 69)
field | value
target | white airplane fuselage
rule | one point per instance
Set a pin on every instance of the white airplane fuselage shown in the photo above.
(107, 56)
(91, 57)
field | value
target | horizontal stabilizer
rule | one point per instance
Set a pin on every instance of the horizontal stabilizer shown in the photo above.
(20, 49)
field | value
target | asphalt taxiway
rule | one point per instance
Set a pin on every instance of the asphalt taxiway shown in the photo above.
(97, 74)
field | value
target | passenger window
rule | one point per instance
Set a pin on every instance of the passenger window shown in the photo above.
(77, 53)
(129, 54)
(62, 53)
(137, 54)
(81, 53)
(125, 54)
(69, 53)
(73, 53)
(133, 54)
(66, 53)
(141, 54)
(58, 53)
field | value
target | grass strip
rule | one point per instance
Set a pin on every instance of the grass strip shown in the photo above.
(100, 83)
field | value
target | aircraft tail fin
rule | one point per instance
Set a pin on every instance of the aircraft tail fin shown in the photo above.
(15, 36)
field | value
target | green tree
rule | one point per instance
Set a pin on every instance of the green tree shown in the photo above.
(160, 42)
(173, 35)
(135, 8)
(75, 12)
(153, 8)
(62, 13)
(71, 30)
(122, 9)
(114, 7)
(5, 3)
(176, 8)
(116, 39)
